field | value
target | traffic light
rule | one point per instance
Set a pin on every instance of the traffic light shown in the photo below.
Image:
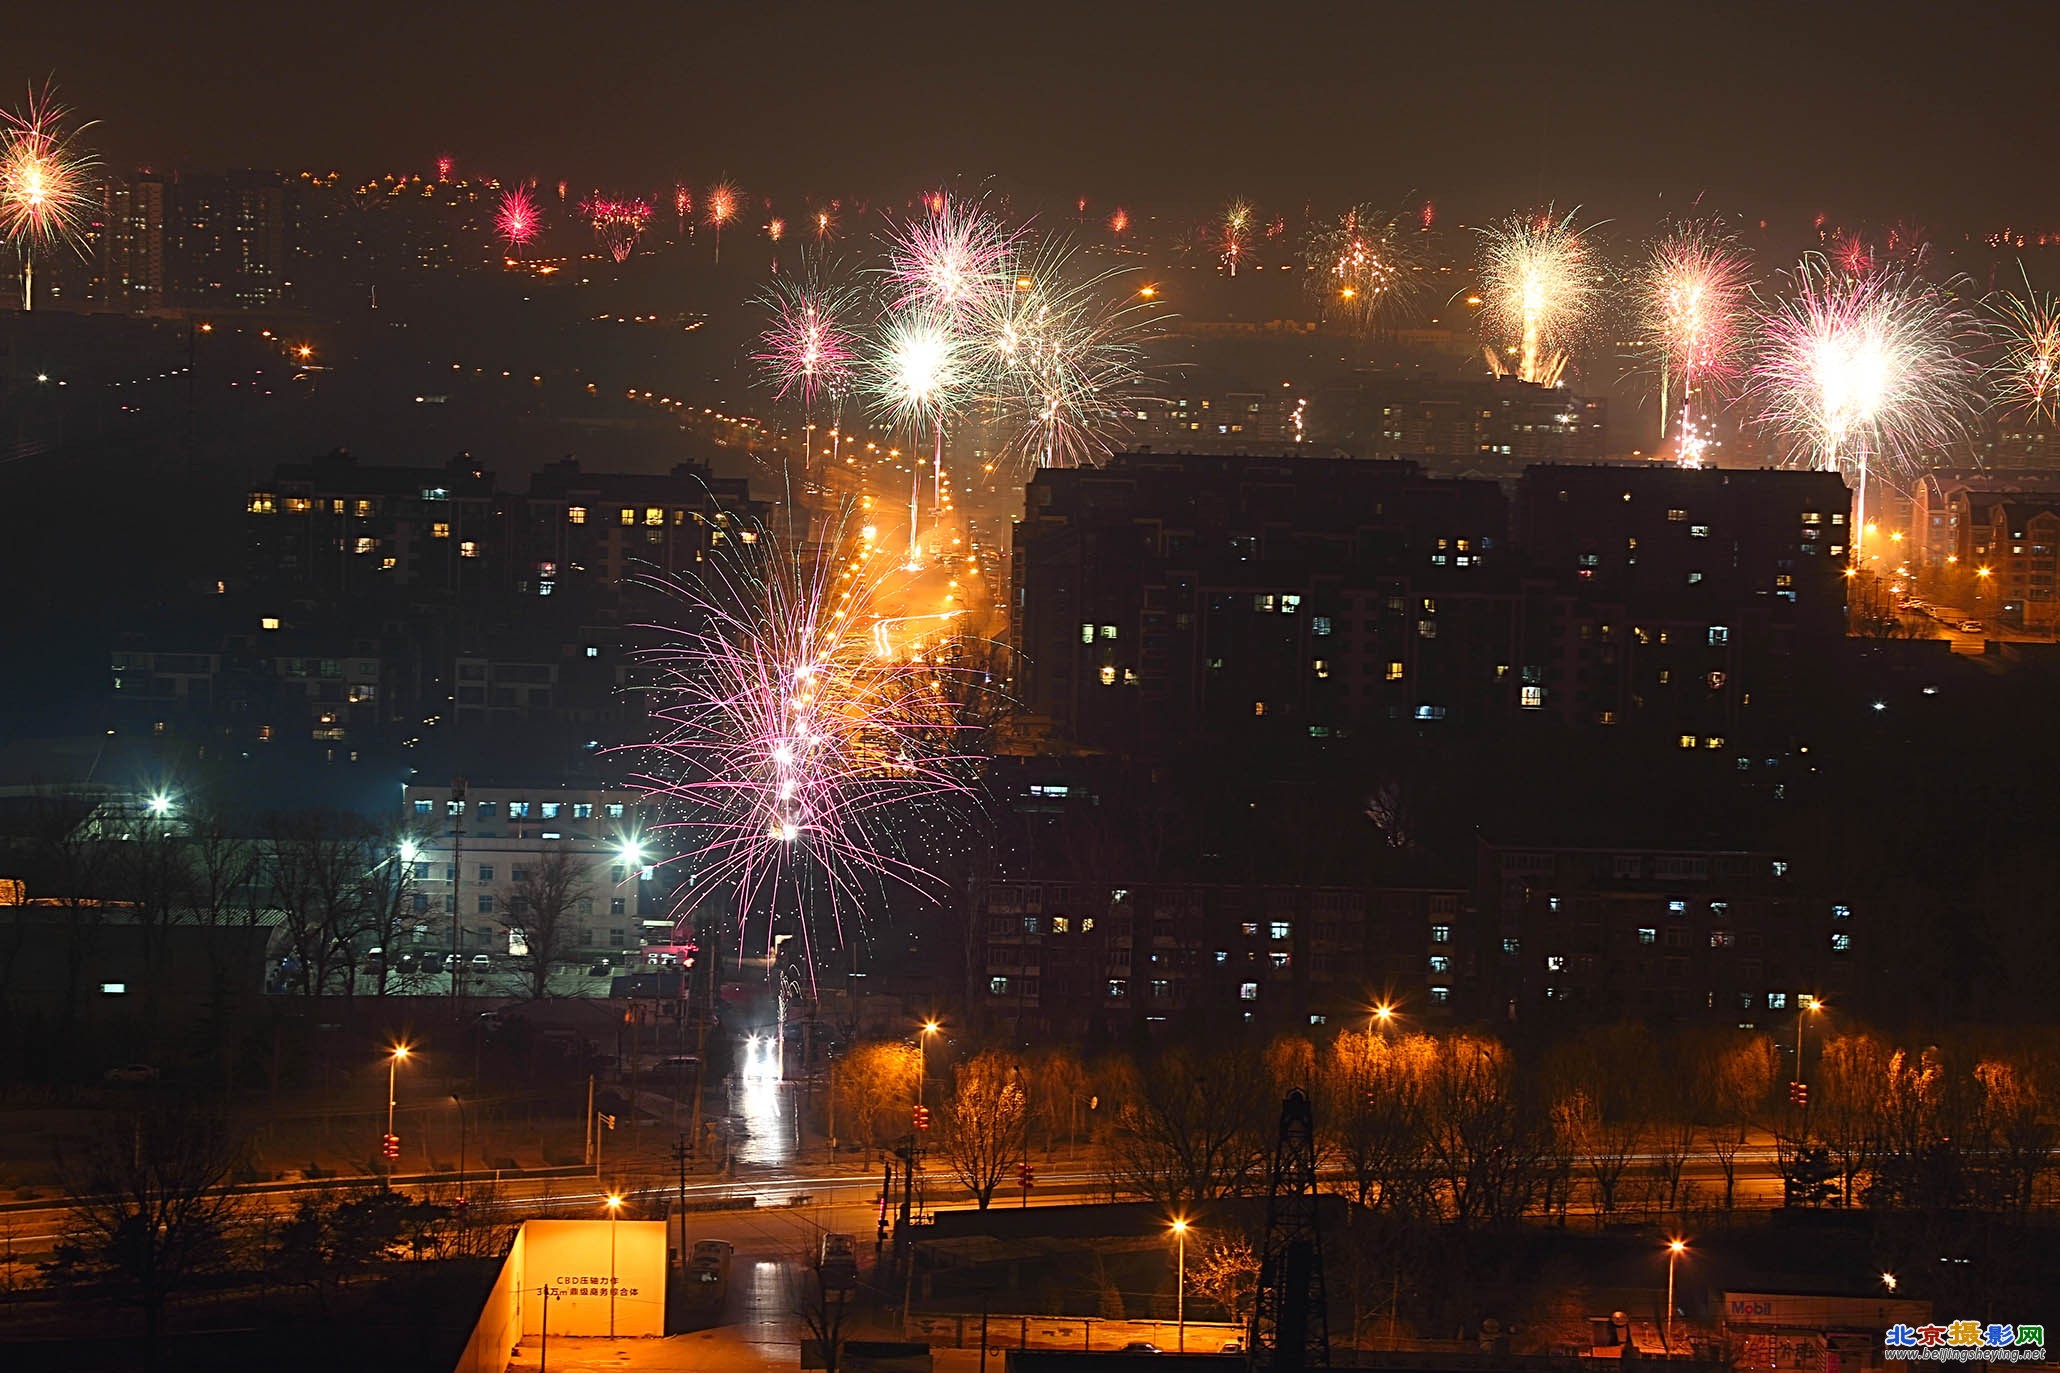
(390, 1146)
(1025, 1176)
(922, 1117)
(1799, 1094)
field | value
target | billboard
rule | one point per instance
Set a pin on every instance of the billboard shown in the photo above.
(598, 1277)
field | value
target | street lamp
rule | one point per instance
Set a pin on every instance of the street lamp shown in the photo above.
(409, 851)
(930, 1027)
(1805, 1005)
(1888, 1281)
(1180, 1282)
(1383, 1015)
(1675, 1249)
(613, 1201)
(393, 1063)
(460, 1101)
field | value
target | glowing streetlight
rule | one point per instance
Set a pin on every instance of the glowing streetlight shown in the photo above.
(160, 804)
(410, 851)
(1382, 1016)
(1180, 1283)
(613, 1201)
(393, 1063)
(1888, 1281)
(1675, 1249)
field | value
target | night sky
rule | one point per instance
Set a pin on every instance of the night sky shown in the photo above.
(1939, 113)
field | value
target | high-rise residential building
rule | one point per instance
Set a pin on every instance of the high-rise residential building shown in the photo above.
(1398, 415)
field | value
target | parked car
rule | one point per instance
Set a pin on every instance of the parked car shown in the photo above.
(1232, 1347)
(601, 968)
(131, 1072)
(480, 960)
(1140, 1347)
(1971, 626)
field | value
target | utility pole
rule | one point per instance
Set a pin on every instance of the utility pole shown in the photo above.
(680, 1153)
(590, 1121)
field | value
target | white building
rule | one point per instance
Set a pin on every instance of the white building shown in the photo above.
(477, 845)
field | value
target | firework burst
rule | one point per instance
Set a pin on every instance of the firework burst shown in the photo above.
(682, 206)
(1234, 239)
(43, 194)
(1694, 292)
(1855, 376)
(809, 351)
(922, 370)
(952, 262)
(2026, 374)
(1063, 358)
(1539, 280)
(794, 759)
(516, 219)
(1363, 268)
(618, 224)
(720, 208)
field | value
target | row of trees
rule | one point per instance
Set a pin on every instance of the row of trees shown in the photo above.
(1462, 1128)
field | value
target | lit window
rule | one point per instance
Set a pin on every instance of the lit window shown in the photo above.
(1441, 934)
(1841, 912)
(549, 809)
(1440, 963)
(1290, 604)
(1841, 942)
(1533, 697)
(1061, 924)
(422, 807)
(1222, 955)
(1319, 625)
(1280, 960)
(468, 549)
(1440, 995)
(1280, 929)
(1686, 741)
(575, 514)
(454, 808)
(1087, 633)
(1677, 515)
(997, 986)
(1394, 672)
(615, 810)
(1258, 707)
(1248, 991)
(367, 545)
(1108, 631)
(1118, 988)
(1512, 946)
(1108, 676)
(1780, 867)
(1719, 634)
(1777, 1001)
(627, 516)
(518, 810)
(654, 517)
(1698, 531)
(582, 810)
(262, 503)
(440, 530)
(1555, 963)
(1721, 939)
(1647, 935)
(1677, 907)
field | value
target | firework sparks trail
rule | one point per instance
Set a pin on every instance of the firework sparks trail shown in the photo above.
(1363, 267)
(2026, 373)
(794, 760)
(1119, 222)
(682, 206)
(1694, 299)
(1234, 243)
(1856, 375)
(618, 224)
(43, 195)
(515, 221)
(720, 208)
(1539, 279)
(1063, 358)
(808, 351)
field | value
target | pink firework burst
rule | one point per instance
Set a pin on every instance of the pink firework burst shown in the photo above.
(1695, 293)
(808, 351)
(807, 739)
(951, 263)
(516, 220)
(618, 224)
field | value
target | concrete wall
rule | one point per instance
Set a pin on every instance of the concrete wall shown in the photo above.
(573, 1259)
(499, 1327)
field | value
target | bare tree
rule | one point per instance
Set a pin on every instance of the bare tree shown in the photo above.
(873, 1080)
(1226, 1272)
(2021, 1140)
(319, 863)
(983, 1122)
(1852, 1077)
(1057, 1086)
(1733, 1075)
(1373, 1092)
(149, 1205)
(825, 1311)
(542, 902)
(1485, 1140)
(1197, 1127)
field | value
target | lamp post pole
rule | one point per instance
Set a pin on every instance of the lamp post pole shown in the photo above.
(1675, 1248)
(393, 1063)
(1180, 1285)
(614, 1202)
